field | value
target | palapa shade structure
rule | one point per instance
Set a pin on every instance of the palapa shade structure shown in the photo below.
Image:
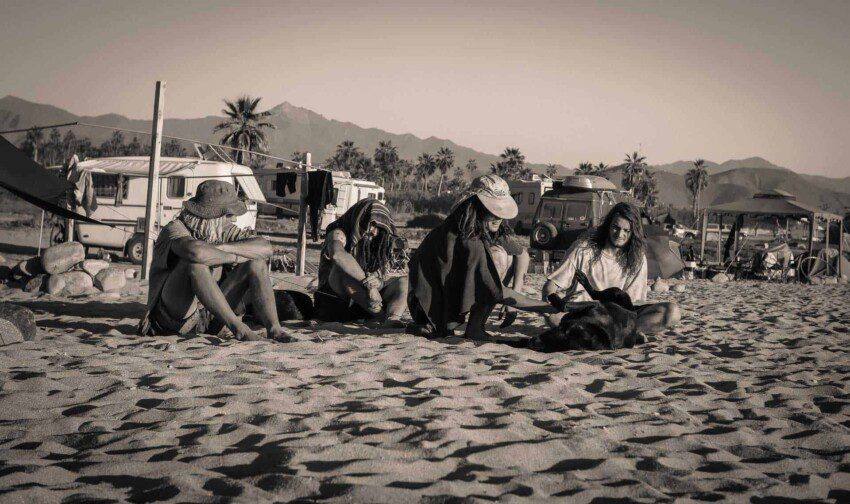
(775, 203)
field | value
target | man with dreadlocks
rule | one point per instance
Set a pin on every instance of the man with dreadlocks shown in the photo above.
(353, 269)
(188, 256)
(613, 255)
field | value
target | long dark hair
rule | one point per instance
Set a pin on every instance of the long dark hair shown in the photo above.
(374, 253)
(468, 218)
(630, 257)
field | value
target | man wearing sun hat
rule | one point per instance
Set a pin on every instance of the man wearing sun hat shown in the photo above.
(453, 273)
(186, 269)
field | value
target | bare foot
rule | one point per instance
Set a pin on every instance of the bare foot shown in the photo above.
(280, 335)
(394, 323)
(244, 333)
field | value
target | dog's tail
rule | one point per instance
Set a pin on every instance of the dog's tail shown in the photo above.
(585, 283)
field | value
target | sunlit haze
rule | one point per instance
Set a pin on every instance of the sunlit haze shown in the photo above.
(564, 81)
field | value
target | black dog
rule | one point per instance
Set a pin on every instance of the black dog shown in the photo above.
(610, 323)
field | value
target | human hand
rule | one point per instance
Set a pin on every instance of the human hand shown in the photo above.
(280, 335)
(372, 281)
(376, 303)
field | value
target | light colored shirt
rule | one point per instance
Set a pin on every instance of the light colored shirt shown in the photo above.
(602, 273)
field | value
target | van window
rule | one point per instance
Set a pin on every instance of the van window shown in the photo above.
(576, 211)
(176, 187)
(517, 198)
(551, 210)
(106, 185)
(531, 199)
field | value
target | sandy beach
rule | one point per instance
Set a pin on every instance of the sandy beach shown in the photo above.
(747, 400)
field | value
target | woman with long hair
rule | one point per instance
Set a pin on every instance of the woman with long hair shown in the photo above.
(613, 255)
(453, 275)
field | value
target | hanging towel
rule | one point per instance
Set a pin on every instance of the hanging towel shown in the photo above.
(320, 191)
(82, 188)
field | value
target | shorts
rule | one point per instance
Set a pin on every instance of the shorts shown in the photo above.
(158, 322)
(329, 307)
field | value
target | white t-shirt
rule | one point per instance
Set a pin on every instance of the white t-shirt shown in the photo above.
(603, 273)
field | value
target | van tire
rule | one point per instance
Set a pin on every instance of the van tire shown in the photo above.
(543, 234)
(135, 249)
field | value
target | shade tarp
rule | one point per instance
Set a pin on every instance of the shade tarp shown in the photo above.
(31, 182)
(136, 165)
(662, 257)
(772, 206)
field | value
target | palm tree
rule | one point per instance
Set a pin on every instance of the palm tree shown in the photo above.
(347, 157)
(32, 142)
(386, 160)
(551, 170)
(426, 165)
(244, 127)
(445, 161)
(512, 161)
(696, 180)
(585, 169)
(600, 170)
(472, 167)
(646, 191)
(634, 171)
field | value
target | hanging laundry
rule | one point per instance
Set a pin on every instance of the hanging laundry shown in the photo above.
(320, 192)
(82, 194)
(285, 183)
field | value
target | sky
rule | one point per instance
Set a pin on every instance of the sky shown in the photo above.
(564, 81)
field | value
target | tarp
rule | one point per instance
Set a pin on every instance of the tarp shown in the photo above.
(772, 206)
(31, 182)
(662, 257)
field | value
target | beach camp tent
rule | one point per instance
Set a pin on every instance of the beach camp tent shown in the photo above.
(774, 203)
(33, 183)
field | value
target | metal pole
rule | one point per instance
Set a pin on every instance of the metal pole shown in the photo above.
(841, 271)
(720, 240)
(40, 233)
(703, 229)
(153, 177)
(826, 246)
(302, 219)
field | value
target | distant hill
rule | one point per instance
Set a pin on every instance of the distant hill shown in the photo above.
(297, 128)
(302, 129)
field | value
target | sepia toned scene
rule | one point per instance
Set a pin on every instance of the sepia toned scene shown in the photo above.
(425, 252)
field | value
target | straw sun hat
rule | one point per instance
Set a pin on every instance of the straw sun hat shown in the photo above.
(215, 198)
(494, 194)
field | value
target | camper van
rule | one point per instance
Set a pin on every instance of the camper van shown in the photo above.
(527, 195)
(121, 186)
(569, 209)
(346, 192)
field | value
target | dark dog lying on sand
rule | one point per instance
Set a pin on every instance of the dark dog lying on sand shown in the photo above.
(608, 322)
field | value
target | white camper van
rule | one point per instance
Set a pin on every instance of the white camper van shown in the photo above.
(346, 192)
(121, 186)
(527, 195)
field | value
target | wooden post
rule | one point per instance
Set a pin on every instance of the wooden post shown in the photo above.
(841, 271)
(812, 228)
(703, 229)
(40, 233)
(737, 231)
(302, 219)
(153, 177)
(826, 246)
(720, 240)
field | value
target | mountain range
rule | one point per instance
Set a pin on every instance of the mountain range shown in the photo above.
(301, 129)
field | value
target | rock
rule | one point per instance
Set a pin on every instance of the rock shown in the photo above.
(76, 283)
(130, 273)
(55, 285)
(5, 273)
(720, 278)
(110, 280)
(94, 266)
(843, 279)
(817, 281)
(2, 260)
(679, 288)
(660, 286)
(36, 283)
(30, 267)
(60, 258)
(16, 324)
(830, 280)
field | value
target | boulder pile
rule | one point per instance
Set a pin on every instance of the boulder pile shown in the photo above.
(63, 270)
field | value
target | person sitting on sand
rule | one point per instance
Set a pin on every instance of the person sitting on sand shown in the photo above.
(354, 280)
(613, 255)
(454, 272)
(187, 265)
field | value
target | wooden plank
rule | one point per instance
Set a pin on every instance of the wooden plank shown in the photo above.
(302, 219)
(153, 177)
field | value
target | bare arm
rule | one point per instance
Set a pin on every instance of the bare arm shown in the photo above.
(520, 267)
(252, 248)
(549, 287)
(200, 252)
(525, 303)
(342, 259)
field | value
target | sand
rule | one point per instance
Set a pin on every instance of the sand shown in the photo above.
(747, 400)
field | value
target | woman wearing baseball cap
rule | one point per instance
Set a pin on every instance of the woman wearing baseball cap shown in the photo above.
(453, 273)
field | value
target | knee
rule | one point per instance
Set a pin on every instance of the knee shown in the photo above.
(258, 267)
(402, 285)
(501, 259)
(672, 314)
